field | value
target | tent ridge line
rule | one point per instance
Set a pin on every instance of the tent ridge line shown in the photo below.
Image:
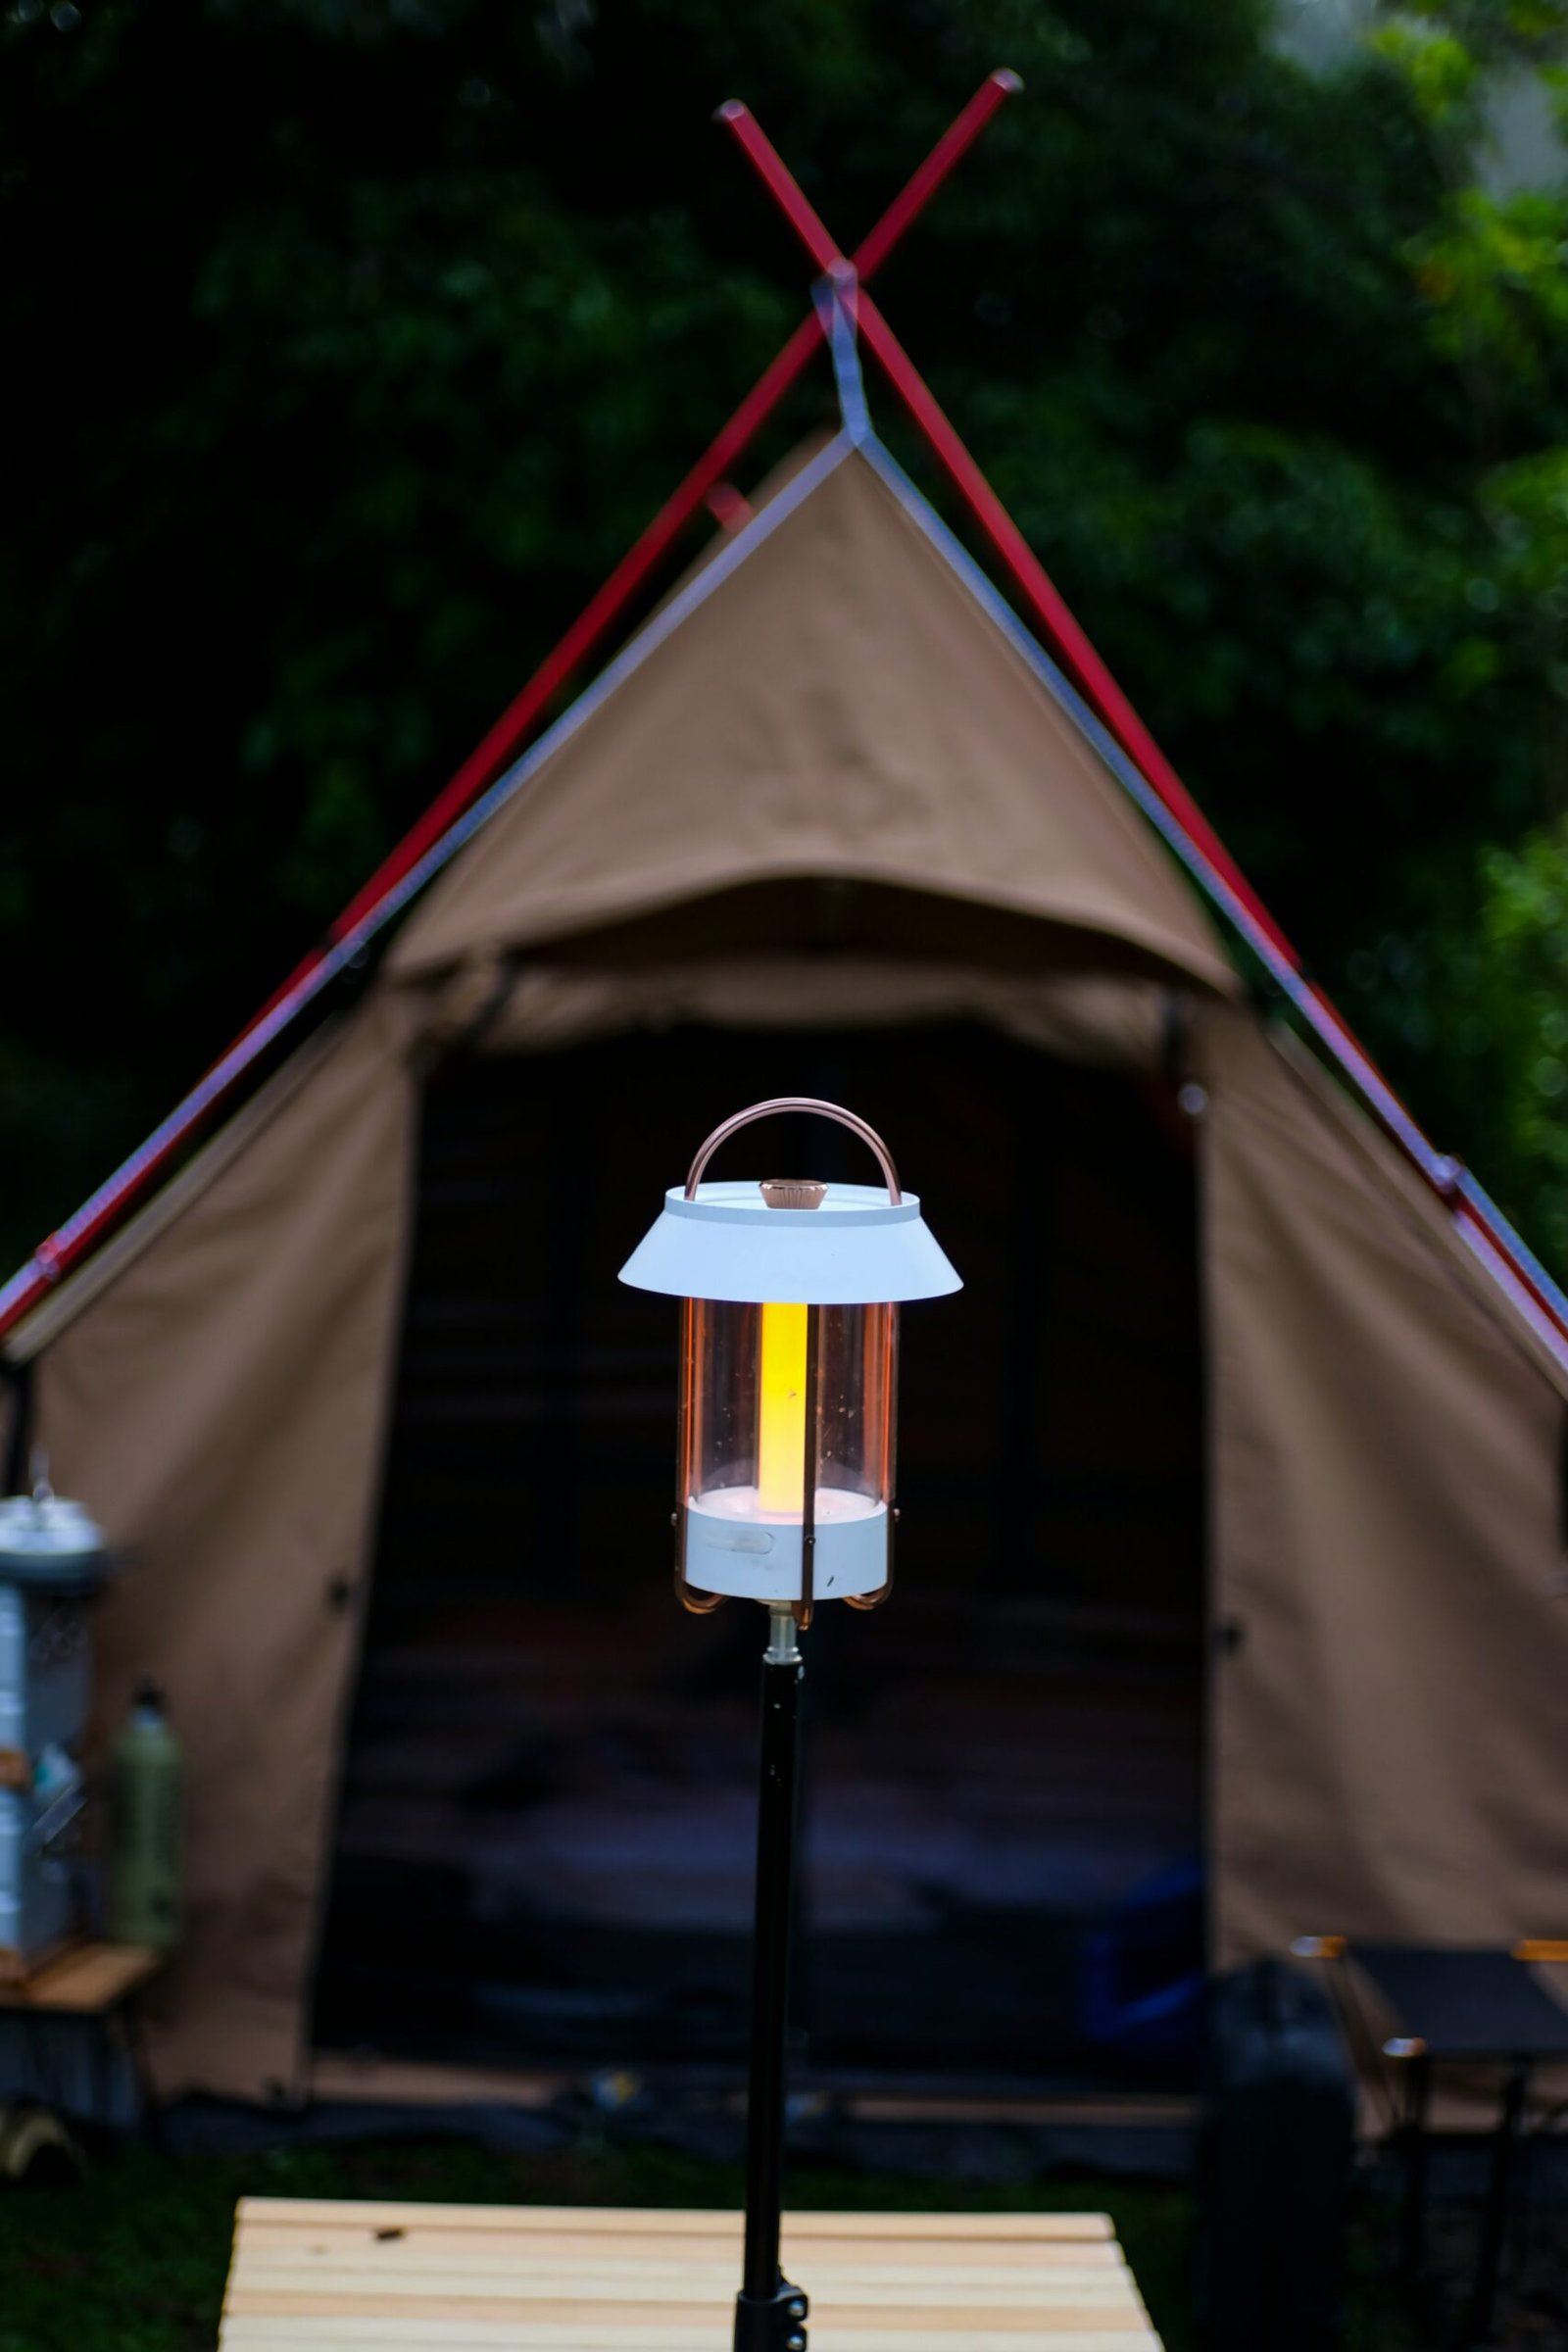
(55, 1256)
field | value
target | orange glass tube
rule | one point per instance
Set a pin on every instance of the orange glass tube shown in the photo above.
(781, 1410)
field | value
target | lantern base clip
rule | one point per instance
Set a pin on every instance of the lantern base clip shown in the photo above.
(773, 2323)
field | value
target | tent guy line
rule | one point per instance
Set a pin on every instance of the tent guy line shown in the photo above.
(373, 905)
(842, 311)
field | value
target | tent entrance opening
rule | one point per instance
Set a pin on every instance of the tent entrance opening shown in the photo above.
(545, 1842)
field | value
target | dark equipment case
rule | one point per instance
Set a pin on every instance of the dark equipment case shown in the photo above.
(1274, 2162)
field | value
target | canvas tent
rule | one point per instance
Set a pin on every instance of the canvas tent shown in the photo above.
(828, 787)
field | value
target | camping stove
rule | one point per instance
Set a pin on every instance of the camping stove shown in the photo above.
(52, 1560)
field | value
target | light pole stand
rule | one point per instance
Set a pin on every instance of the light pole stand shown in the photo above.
(770, 2313)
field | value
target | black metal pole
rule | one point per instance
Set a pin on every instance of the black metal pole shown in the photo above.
(1495, 2212)
(770, 2313)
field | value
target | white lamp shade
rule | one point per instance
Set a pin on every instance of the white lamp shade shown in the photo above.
(857, 1248)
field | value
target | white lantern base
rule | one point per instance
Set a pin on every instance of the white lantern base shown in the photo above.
(734, 1547)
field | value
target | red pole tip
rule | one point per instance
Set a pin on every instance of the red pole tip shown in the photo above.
(731, 111)
(1006, 80)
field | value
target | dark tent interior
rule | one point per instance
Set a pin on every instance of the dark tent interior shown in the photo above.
(544, 1848)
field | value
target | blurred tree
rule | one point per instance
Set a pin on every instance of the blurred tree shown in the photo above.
(356, 339)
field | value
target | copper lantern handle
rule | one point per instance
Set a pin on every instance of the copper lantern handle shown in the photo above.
(780, 1102)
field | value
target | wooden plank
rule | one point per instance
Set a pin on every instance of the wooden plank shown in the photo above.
(711, 2334)
(662, 2286)
(19, 1968)
(327, 2287)
(879, 2319)
(486, 2256)
(408, 2272)
(617, 2221)
(85, 1981)
(654, 2257)
(311, 2276)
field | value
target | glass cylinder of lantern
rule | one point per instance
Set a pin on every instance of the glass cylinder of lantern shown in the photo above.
(790, 1295)
(786, 1449)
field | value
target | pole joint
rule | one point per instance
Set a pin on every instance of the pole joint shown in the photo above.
(773, 2323)
(782, 1648)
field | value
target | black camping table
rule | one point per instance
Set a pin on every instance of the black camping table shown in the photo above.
(1466, 2006)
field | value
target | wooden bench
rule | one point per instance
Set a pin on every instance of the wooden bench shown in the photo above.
(85, 1980)
(312, 2276)
(79, 2000)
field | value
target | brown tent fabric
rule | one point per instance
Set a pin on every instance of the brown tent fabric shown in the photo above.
(1387, 1723)
(1110, 1021)
(222, 1404)
(1386, 1515)
(168, 1203)
(840, 706)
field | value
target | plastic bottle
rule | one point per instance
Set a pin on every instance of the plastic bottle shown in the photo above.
(146, 1769)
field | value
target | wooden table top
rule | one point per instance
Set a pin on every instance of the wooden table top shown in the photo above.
(87, 1980)
(312, 2276)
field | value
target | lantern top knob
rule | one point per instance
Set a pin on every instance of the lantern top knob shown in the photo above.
(789, 1191)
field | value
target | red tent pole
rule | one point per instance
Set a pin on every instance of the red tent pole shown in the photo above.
(509, 731)
(1067, 639)
(63, 1249)
(1094, 680)
(954, 141)
(492, 752)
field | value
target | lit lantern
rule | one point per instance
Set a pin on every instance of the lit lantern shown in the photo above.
(789, 1372)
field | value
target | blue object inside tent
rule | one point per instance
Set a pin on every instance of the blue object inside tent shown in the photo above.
(1142, 1978)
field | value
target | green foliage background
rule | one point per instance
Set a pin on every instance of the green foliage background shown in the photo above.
(354, 339)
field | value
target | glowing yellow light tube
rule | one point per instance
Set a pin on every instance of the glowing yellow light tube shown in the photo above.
(781, 1416)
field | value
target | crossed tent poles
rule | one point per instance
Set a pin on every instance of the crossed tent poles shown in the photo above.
(842, 311)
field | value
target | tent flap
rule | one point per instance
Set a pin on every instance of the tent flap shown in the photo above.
(1110, 1021)
(1387, 1701)
(840, 704)
(221, 1409)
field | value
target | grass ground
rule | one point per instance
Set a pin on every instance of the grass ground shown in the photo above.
(135, 2260)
